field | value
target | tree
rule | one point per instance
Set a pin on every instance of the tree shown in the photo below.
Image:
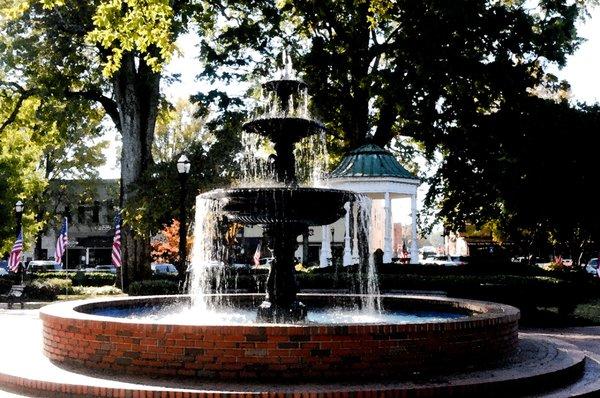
(67, 134)
(19, 157)
(177, 129)
(528, 167)
(380, 69)
(436, 71)
(109, 53)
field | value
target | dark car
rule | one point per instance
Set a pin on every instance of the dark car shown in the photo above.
(163, 269)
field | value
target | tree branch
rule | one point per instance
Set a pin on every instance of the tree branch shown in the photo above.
(13, 114)
(109, 105)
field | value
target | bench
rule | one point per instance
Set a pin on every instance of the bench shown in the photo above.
(16, 294)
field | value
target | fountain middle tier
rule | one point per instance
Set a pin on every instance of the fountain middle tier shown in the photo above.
(284, 128)
(281, 205)
(286, 213)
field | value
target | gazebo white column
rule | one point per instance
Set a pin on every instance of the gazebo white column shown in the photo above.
(414, 247)
(355, 255)
(347, 240)
(325, 256)
(387, 237)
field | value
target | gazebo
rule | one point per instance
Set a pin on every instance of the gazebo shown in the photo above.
(375, 172)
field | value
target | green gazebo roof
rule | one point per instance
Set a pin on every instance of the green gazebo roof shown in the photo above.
(370, 161)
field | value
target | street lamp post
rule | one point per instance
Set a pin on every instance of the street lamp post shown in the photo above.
(183, 168)
(19, 206)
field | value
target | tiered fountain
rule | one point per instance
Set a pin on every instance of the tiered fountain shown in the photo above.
(287, 211)
(172, 345)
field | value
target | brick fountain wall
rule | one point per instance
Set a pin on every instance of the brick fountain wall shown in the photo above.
(264, 352)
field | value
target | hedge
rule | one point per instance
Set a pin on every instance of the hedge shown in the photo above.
(48, 289)
(153, 287)
(79, 278)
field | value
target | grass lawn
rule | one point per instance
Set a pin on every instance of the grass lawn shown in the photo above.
(586, 313)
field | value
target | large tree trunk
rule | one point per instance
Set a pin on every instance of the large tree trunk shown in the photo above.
(136, 92)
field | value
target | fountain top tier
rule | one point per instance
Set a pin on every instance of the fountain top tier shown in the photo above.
(284, 119)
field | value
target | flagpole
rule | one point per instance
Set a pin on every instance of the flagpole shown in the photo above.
(22, 262)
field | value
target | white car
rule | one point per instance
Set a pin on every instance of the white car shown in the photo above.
(592, 267)
(106, 268)
(43, 266)
(3, 272)
(447, 261)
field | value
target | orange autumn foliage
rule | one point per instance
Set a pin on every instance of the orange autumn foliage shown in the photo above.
(165, 245)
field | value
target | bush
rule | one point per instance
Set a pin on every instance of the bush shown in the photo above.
(48, 289)
(94, 279)
(153, 287)
(79, 278)
(6, 282)
(97, 291)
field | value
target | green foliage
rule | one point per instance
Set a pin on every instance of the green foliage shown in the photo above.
(459, 78)
(79, 278)
(42, 137)
(48, 289)
(153, 287)
(177, 128)
(107, 55)
(212, 166)
(96, 290)
(6, 281)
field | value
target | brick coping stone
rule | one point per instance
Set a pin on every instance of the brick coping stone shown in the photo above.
(282, 353)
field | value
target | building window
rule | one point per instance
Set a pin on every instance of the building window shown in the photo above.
(81, 214)
(96, 212)
(110, 211)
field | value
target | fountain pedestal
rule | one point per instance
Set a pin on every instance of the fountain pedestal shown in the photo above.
(281, 303)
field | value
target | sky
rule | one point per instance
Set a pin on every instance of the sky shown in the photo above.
(582, 71)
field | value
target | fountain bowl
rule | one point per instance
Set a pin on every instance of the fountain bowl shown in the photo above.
(308, 206)
(74, 336)
(284, 128)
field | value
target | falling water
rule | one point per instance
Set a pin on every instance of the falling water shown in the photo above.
(368, 285)
(254, 161)
(312, 160)
(207, 273)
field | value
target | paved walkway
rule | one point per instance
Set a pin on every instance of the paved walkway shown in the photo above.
(24, 330)
(585, 338)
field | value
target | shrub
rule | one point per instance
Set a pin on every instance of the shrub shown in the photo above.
(97, 291)
(94, 279)
(48, 289)
(153, 287)
(79, 278)
(6, 281)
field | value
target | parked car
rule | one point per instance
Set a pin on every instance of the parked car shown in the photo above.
(163, 269)
(592, 267)
(4, 265)
(446, 261)
(3, 272)
(43, 266)
(106, 268)
(567, 261)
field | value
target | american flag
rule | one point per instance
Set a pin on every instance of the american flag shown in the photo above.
(61, 242)
(116, 246)
(15, 254)
(256, 257)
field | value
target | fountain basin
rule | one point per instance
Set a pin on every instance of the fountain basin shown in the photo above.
(284, 352)
(288, 129)
(308, 206)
